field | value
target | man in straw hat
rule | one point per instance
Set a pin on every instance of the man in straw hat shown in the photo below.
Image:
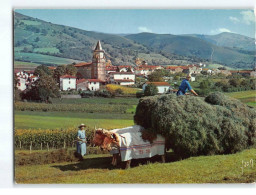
(81, 142)
(184, 86)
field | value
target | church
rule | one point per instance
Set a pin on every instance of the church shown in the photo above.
(95, 69)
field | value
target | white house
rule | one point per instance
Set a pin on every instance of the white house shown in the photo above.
(24, 78)
(88, 84)
(67, 82)
(122, 78)
(93, 84)
(21, 84)
(146, 69)
(163, 87)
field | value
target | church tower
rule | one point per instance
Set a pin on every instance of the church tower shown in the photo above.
(98, 63)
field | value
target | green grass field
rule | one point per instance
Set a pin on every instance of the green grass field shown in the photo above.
(58, 120)
(247, 97)
(47, 49)
(28, 65)
(44, 59)
(97, 169)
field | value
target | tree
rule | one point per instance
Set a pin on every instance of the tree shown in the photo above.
(42, 70)
(59, 71)
(150, 90)
(156, 76)
(42, 89)
(37, 39)
(71, 70)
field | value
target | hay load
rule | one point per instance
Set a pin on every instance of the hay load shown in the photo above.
(196, 126)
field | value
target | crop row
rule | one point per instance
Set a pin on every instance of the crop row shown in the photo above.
(88, 108)
(125, 90)
(47, 139)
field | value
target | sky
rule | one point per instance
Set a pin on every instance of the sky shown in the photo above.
(127, 21)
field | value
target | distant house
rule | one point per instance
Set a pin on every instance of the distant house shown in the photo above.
(125, 68)
(163, 87)
(174, 69)
(146, 69)
(88, 84)
(21, 84)
(122, 78)
(253, 74)
(67, 82)
(24, 78)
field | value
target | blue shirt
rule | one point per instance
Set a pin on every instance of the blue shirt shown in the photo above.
(184, 86)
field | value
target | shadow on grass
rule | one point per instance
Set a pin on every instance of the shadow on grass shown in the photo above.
(105, 163)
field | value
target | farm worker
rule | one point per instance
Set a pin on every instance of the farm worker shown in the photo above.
(184, 86)
(81, 142)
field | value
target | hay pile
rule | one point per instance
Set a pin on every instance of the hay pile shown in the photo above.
(196, 126)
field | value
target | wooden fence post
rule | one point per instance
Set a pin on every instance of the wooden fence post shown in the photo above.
(30, 148)
(64, 145)
(20, 144)
(41, 146)
(47, 146)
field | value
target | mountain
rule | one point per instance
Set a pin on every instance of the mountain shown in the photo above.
(33, 37)
(232, 40)
(38, 41)
(193, 46)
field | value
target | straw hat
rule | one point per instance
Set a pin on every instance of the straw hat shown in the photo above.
(82, 125)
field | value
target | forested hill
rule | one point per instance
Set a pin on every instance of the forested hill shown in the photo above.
(34, 37)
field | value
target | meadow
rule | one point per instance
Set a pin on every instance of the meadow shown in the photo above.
(44, 59)
(96, 169)
(106, 113)
(247, 97)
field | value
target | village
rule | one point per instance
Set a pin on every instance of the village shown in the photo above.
(91, 76)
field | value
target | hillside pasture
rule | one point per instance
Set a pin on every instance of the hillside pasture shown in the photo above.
(96, 169)
(51, 50)
(25, 65)
(42, 59)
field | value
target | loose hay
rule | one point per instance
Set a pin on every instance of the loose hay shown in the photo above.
(194, 126)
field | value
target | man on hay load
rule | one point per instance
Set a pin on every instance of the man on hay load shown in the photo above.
(184, 86)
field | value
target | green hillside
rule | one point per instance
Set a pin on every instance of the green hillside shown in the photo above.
(231, 40)
(194, 47)
(34, 37)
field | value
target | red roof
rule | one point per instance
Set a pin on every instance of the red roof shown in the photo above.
(111, 68)
(121, 73)
(159, 83)
(80, 81)
(148, 67)
(68, 76)
(94, 80)
(173, 67)
(83, 64)
(125, 66)
(124, 80)
(52, 67)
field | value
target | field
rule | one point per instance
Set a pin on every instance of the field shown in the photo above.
(25, 65)
(44, 59)
(97, 169)
(247, 97)
(110, 117)
(58, 120)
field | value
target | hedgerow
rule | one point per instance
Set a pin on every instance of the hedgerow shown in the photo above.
(194, 126)
(89, 108)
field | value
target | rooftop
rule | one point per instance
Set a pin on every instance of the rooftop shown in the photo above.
(159, 83)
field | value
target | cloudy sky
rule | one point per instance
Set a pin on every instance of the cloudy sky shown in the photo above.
(156, 21)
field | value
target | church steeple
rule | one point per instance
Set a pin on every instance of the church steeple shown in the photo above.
(98, 63)
(98, 46)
